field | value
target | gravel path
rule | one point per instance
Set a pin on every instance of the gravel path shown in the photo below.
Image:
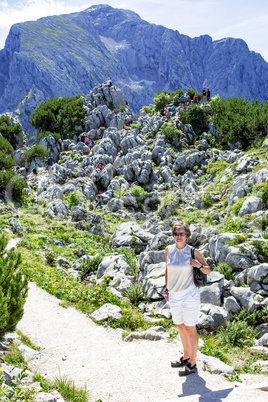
(114, 370)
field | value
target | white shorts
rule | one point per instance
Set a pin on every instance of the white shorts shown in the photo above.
(185, 307)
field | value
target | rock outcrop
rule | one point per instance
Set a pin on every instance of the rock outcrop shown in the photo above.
(70, 54)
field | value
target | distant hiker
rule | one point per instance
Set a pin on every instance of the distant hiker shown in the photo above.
(82, 137)
(86, 140)
(109, 82)
(50, 162)
(100, 166)
(3, 170)
(35, 171)
(195, 98)
(204, 94)
(99, 201)
(90, 144)
(208, 95)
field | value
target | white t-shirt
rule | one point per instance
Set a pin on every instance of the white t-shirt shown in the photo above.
(179, 271)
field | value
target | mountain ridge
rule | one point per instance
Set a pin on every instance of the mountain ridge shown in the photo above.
(72, 53)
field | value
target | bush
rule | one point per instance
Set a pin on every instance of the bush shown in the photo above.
(134, 293)
(59, 115)
(237, 333)
(196, 116)
(13, 185)
(13, 289)
(238, 205)
(131, 259)
(262, 248)
(192, 93)
(37, 151)
(119, 193)
(237, 240)
(9, 131)
(226, 270)
(170, 132)
(261, 190)
(91, 264)
(238, 120)
(160, 100)
(138, 192)
(73, 199)
(215, 167)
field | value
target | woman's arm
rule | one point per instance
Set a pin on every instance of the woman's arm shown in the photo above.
(199, 261)
(166, 290)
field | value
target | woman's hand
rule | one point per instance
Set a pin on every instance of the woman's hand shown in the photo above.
(166, 295)
(195, 263)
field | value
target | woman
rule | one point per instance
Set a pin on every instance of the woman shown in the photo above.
(183, 295)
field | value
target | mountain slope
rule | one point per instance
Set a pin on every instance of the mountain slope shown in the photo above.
(70, 54)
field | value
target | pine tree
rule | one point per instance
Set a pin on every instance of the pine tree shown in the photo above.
(13, 288)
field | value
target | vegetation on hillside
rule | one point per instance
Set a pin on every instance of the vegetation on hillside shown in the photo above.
(59, 117)
(9, 130)
(13, 289)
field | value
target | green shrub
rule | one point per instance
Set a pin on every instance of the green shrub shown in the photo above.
(215, 167)
(137, 126)
(262, 248)
(191, 92)
(13, 288)
(170, 132)
(237, 119)
(57, 136)
(59, 115)
(91, 264)
(237, 333)
(235, 208)
(148, 109)
(37, 151)
(237, 240)
(169, 199)
(160, 100)
(226, 270)
(207, 200)
(250, 317)
(69, 391)
(134, 293)
(119, 193)
(138, 192)
(131, 258)
(261, 190)
(196, 116)
(233, 225)
(74, 199)
(9, 131)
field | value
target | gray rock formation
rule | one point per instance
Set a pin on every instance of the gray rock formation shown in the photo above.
(44, 60)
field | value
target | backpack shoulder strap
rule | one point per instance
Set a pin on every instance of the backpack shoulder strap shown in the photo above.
(192, 252)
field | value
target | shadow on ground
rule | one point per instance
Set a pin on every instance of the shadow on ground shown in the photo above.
(196, 385)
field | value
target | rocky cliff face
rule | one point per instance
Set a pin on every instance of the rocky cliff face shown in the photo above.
(70, 54)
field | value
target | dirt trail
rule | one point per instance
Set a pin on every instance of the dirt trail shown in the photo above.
(114, 370)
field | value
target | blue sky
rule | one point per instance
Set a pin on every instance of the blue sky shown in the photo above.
(243, 19)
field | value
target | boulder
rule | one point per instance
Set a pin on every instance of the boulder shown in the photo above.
(130, 233)
(257, 279)
(246, 297)
(57, 208)
(112, 265)
(212, 317)
(211, 293)
(106, 311)
(216, 366)
(251, 204)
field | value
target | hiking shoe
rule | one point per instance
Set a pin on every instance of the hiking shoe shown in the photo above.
(179, 363)
(188, 370)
